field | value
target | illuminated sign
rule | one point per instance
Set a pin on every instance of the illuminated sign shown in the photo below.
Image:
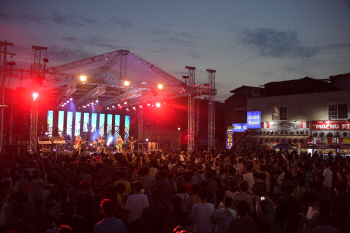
(239, 127)
(254, 119)
(229, 139)
(330, 125)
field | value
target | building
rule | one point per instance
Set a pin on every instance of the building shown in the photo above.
(299, 111)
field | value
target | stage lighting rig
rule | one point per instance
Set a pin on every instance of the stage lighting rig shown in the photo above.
(35, 96)
(160, 86)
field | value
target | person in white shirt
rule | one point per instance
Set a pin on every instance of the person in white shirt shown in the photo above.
(203, 213)
(135, 204)
(249, 177)
(327, 182)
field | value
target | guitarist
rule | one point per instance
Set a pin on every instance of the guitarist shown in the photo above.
(132, 143)
(77, 144)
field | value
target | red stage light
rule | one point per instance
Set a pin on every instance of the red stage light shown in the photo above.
(35, 96)
(157, 105)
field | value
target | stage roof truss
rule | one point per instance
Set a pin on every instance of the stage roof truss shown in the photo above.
(93, 94)
(121, 98)
(68, 91)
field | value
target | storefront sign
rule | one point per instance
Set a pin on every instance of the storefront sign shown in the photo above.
(276, 125)
(331, 125)
(254, 119)
(229, 139)
(239, 127)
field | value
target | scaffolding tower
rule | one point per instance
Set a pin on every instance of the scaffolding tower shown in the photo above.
(191, 71)
(38, 76)
(211, 108)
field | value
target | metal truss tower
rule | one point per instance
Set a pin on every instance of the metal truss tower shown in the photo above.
(140, 122)
(3, 69)
(191, 71)
(211, 108)
(38, 76)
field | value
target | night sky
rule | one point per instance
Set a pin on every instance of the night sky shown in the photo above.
(249, 42)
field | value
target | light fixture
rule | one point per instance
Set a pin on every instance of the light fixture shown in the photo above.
(35, 96)
(160, 86)
(126, 83)
(71, 99)
(83, 78)
(107, 107)
(96, 101)
(157, 105)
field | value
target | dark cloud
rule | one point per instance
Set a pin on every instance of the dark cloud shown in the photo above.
(273, 43)
(32, 18)
(187, 35)
(161, 32)
(101, 42)
(3, 16)
(95, 41)
(335, 46)
(122, 23)
(68, 55)
(55, 17)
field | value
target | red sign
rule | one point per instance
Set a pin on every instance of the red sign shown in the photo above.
(331, 125)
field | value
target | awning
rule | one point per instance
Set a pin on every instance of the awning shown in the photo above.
(279, 139)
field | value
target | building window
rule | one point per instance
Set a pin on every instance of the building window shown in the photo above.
(279, 113)
(337, 111)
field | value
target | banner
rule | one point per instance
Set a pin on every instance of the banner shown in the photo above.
(116, 126)
(330, 125)
(69, 124)
(49, 122)
(102, 125)
(93, 122)
(254, 119)
(86, 122)
(77, 123)
(60, 122)
(127, 128)
(229, 139)
(239, 127)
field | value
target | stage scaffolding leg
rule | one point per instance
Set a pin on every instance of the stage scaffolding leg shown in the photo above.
(211, 109)
(140, 123)
(34, 127)
(191, 107)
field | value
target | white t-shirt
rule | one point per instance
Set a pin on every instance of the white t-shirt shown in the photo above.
(184, 202)
(328, 174)
(250, 179)
(202, 214)
(136, 203)
(312, 217)
(223, 218)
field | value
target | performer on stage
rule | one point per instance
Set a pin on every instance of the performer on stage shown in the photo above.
(101, 141)
(119, 144)
(60, 138)
(77, 144)
(132, 143)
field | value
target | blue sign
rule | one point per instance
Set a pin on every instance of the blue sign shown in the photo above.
(229, 139)
(239, 127)
(254, 120)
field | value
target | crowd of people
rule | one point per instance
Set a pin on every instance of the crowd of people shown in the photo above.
(220, 191)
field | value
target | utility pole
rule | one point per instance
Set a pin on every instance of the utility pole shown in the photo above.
(3, 69)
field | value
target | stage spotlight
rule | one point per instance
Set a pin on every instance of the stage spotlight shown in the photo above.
(84, 106)
(107, 107)
(160, 86)
(118, 105)
(35, 96)
(148, 105)
(126, 83)
(67, 101)
(62, 105)
(127, 109)
(88, 105)
(92, 103)
(71, 99)
(178, 128)
(157, 105)
(140, 106)
(83, 78)
(113, 106)
(125, 103)
(134, 108)
(96, 101)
